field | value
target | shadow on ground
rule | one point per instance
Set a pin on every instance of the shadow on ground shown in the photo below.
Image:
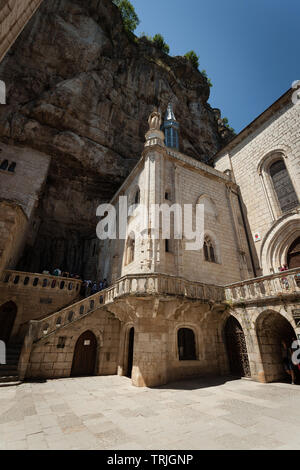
(197, 383)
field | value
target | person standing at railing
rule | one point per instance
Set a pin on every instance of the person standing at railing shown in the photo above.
(94, 289)
(284, 279)
(283, 268)
(88, 288)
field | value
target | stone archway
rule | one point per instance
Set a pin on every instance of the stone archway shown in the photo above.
(272, 328)
(85, 354)
(236, 348)
(276, 243)
(8, 312)
(293, 255)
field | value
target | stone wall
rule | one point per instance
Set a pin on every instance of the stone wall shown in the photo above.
(13, 226)
(277, 134)
(23, 185)
(50, 361)
(185, 181)
(35, 296)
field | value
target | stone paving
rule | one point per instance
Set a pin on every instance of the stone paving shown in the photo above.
(109, 413)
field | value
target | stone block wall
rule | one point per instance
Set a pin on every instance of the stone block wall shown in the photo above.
(164, 179)
(24, 184)
(13, 225)
(49, 361)
(279, 133)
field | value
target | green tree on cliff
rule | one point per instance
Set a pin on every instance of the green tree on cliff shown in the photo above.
(207, 79)
(128, 13)
(193, 58)
(159, 42)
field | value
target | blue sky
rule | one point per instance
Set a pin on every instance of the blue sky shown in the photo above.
(249, 48)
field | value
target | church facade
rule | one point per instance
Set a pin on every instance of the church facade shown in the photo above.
(169, 312)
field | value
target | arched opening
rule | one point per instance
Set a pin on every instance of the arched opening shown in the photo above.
(130, 352)
(236, 348)
(137, 197)
(272, 329)
(12, 167)
(283, 186)
(186, 345)
(8, 312)
(209, 250)
(85, 352)
(130, 248)
(4, 165)
(293, 257)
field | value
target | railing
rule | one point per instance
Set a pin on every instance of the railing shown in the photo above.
(47, 283)
(135, 285)
(274, 285)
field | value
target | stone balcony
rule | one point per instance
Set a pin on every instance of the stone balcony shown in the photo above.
(281, 285)
(128, 286)
(52, 284)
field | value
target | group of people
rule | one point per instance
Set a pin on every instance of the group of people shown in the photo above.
(88, 287)
(92, 287)
(59, 272)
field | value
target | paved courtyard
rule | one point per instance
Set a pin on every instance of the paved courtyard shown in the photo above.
(109, 413)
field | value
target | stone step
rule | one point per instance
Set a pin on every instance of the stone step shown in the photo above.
(9, 378)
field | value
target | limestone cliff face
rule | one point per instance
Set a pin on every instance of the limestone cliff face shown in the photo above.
(81, 91)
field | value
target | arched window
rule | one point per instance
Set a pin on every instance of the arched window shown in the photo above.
(12, 167)
(209, 251)
(137, 197)
(4, 165)
(293, 257)
(283, 186)
(186, 345)
(130, 247)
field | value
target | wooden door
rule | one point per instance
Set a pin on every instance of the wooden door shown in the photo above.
(84, 359)
(236, 348)
(8, 312)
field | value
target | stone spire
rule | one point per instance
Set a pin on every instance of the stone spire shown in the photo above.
(171, 128)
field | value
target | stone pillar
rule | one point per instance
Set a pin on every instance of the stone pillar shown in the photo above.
(150, 353)
(153, 154)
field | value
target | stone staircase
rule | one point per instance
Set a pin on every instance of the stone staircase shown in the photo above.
(9, 371)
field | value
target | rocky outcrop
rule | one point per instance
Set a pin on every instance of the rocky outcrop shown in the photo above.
(81, 90)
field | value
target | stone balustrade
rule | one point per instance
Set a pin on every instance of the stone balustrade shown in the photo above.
(134, 285)
(274, 285)
(22, 280)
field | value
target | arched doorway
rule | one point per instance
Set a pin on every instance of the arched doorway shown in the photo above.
(236, 348)
(271, 329)
(8, 312)
(84, 359)
(293, 257)
(130, 352)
